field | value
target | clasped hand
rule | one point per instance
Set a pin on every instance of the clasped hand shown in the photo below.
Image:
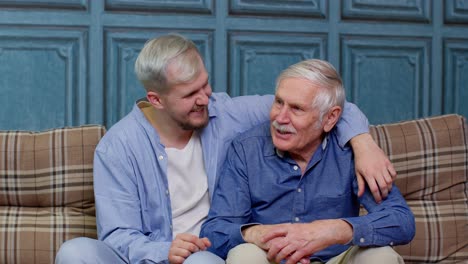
(184, 245)
(297, 242)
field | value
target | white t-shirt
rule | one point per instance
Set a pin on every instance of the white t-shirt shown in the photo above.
(188, 187)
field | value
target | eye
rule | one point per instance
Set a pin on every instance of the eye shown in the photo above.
(278, 101)
(297, 110)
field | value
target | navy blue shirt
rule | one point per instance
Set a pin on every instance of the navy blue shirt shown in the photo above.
(259, 184)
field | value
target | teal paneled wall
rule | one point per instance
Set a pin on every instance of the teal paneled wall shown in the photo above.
(65, 63)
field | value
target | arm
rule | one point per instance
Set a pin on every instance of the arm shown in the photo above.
(371, 162)
(388, 223)
(118, 209)
(230, 208)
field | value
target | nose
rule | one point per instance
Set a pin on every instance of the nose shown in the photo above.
(204, 95)
(283, 115)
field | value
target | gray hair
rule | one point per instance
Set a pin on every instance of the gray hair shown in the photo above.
(322, 73)
(153, 60)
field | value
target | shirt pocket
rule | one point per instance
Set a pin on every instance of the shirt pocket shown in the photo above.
(332, 207)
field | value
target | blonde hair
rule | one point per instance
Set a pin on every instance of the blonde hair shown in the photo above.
(158, 53)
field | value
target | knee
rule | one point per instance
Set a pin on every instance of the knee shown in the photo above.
(247, 253)
(75, 250)
(384, 255)
(203, 257)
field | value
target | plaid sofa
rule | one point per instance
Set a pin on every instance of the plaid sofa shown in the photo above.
(431, 158)
(46, 191)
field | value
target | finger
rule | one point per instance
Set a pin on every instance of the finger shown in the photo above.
(206, 242)
(361, 184)
(374, 190)
(176, 259)
(285, 252)
(178, 255)
(392, 172)
(190, 242)
(275, 232)
(200, 244)
(276, 247)
(382, 186)
(189, 246)
(302, 255)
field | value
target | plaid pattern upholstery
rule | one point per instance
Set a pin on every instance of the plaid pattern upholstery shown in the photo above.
(46, 191)
(431, 159)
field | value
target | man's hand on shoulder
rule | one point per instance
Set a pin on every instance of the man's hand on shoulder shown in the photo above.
(373, 165)
(184, 245)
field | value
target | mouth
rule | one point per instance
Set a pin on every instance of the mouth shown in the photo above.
(198, 110)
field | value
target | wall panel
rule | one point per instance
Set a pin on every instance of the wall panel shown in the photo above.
(46, 4)
(72, 61)
(184, 6)
(258, 58)
(456, 76)
(395, 10)
(44, 75)
(387, 77)
(306, 8)
(456, 11)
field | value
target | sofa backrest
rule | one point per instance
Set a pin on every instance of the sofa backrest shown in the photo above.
(46, 191)
(430, 156)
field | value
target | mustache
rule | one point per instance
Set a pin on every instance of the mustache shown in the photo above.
(283, 128)
(198, 108)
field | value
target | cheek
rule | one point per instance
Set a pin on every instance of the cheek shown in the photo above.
(273, 114)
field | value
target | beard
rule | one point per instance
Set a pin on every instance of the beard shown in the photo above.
(191, 125)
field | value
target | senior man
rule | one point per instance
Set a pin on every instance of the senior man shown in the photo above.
(288, 191)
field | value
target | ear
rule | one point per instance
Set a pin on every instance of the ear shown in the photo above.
(155, 99)
(331, 118)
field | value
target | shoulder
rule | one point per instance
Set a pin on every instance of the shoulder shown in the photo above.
(256, 140)
(123, 133)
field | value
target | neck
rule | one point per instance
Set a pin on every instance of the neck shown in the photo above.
(302, 158)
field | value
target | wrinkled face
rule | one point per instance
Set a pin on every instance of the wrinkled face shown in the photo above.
(295, 126)
(187, 103)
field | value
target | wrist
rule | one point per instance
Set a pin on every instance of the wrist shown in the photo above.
(361, 141)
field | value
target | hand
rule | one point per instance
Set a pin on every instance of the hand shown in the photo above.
(184, 245)
(299, 241)
(255, 235)
(373, 165)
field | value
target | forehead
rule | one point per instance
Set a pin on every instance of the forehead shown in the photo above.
(198, 82)
(297, 90)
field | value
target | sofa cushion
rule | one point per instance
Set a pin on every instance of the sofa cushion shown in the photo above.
(46, 191)
(430, 156)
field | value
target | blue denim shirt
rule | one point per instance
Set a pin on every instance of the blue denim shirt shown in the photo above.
(133, 206)
(259, 184)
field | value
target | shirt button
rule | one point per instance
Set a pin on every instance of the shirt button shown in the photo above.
(296, 219)
(295, 167)
(391, 243)
(161, 157)
(362, 240)
(167, 192)
(299, 190)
